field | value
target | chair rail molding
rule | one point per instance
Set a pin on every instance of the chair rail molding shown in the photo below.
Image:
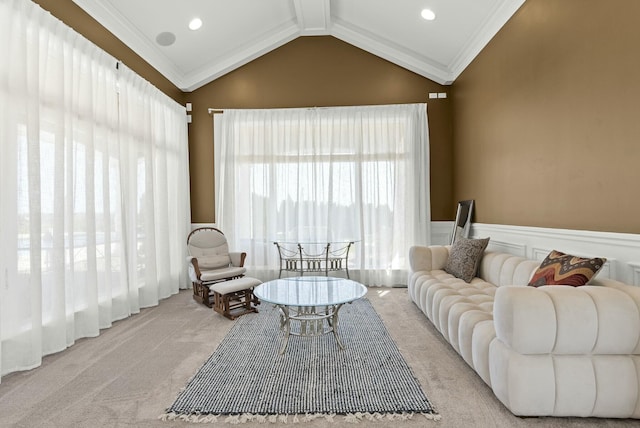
(622, 250)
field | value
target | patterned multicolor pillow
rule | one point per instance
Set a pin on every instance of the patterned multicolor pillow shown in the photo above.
(564, 269)
(464, 257)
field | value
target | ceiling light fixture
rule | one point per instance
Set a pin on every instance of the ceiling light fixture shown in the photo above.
(428, 14)
(195, 23)
(165, 38)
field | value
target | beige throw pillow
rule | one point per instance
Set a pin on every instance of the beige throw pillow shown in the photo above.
(464, 257)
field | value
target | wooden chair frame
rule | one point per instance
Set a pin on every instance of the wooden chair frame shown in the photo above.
(201, 290)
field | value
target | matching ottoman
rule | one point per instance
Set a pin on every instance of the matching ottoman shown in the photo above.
(235, 297)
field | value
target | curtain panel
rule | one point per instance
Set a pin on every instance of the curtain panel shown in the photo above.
(325, 175)
(94, 202)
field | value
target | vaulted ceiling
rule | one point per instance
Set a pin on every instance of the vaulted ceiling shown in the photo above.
(234, 32)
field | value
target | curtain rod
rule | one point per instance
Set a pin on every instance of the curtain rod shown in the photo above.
(212, 110)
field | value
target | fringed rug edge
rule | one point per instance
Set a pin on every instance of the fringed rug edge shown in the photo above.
(329, 417)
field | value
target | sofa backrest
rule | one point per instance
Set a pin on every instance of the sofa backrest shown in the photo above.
(506, 269)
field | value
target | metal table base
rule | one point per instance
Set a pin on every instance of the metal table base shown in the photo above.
(312, 321)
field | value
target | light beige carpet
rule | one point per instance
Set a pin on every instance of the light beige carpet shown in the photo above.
(133, 371)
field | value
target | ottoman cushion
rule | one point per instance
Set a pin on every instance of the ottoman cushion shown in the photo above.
(226, 287)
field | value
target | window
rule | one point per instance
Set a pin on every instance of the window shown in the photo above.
(325, 175)
(94, 163)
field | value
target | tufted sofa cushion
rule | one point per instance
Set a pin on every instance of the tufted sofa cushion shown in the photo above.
(461, 311)
(567, 320)
(583, 385)
(548, 351)
(506, 269)
(456, 308)
(567, 351)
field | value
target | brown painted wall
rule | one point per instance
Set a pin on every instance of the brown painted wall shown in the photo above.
(317, 71)
(547, 127)
(72, 15)
(310, 71)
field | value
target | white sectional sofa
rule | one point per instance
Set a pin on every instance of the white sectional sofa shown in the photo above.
(547, 351)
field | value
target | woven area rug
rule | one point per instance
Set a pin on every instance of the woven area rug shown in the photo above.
(246, 380)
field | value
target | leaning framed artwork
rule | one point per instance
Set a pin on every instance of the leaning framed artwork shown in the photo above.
(462, 224)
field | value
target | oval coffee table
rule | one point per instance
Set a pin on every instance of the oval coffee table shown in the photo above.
(312, 303)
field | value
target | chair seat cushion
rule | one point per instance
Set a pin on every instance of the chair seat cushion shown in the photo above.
(232, 285)
(216, 274)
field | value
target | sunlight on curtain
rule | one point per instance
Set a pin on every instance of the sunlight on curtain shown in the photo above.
(155, 166)
(94, 201)
(325, 175)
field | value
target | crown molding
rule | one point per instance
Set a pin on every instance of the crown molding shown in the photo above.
(114, 22)
(240, 57)
(395, 54)
(313, 18)
(479, 39)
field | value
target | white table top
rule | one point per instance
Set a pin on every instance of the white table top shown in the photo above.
(310, 291)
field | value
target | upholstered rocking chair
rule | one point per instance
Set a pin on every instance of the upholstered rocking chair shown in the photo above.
(210, 262)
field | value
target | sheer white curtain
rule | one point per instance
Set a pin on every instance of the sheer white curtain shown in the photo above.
(325, 174)
(155, 168)
(93, 207)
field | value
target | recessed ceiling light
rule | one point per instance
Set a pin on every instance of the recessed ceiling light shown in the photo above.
(428, 14)
(195, 23)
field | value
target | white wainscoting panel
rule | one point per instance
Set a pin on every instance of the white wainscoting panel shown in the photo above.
(636, 272)
(441, 232)
(507, 247)
(622, 250)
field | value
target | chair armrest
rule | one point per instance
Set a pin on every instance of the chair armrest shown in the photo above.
(428, 258)
(193, 266)
(559, 319)
(237, 258)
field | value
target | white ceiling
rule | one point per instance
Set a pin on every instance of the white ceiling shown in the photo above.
(237, 31)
